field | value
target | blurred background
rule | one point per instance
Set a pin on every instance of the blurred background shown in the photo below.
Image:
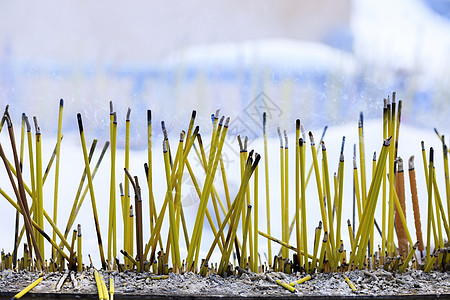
(322, 61)
(174, 56)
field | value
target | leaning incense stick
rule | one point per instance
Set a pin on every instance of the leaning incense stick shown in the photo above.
(244, 241)
(28, 288)
(326, 179)
(446, 175)
(91, 191)
(23, 208)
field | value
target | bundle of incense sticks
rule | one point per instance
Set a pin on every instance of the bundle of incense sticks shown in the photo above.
(235, 224)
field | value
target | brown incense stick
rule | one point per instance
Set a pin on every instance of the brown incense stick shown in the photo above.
(415, 203)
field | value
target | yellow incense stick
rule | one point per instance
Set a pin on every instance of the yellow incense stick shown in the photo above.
(28, 288)
(79, 250)
(58, 155)
(266, 169)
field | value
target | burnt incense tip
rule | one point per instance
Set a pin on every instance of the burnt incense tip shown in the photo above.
(241, 147)
(194, 114)
(245, 143)
(300, 142)
(128, 114)
(323, 146)
(285, 139)
(181, 136)
(280, 137)
(422, 143)
(311, 137)
(216, 116)
(199, 138)
(387, 142)
(320, 225)
(341, 158)
(431, 154)
(121, 189)
(196, 130)
(349, 223)
(80, 122)
(61, 102)
(343, 144)
(325, 237)
(111, 108)
(164, 146)
(264, 123)
(227, 122)
(212, 118)
(221, 120)
(354, 163)
(8, 121)
(27, 123)
(416, 245)
(114, 118)
(374, 158)
(249, 206)
(149, 116)
(411, 162)
(257, 159)
(297, 124)
(393, 97)
(361, 117)
(399, 164)
(251, 153)
(384, 103)
(302, 129)
(79, 230)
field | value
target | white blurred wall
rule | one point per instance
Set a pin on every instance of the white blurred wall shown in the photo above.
(147, 30)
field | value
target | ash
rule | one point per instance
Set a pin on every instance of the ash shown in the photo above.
(372, 283)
